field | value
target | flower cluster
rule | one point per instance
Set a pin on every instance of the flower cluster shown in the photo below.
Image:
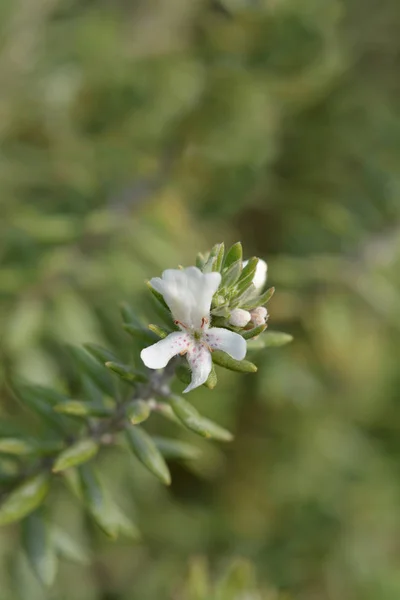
(214, 306)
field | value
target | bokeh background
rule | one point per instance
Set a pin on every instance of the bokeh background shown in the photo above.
(134, 134)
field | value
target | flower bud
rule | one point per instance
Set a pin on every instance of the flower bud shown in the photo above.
(259, 316)
(239, 317)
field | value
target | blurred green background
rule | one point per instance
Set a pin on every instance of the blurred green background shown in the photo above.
(134, 134)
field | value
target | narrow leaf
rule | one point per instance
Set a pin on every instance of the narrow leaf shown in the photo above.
(191, 418)
(102, 355)
(24, 499)
(39, 549)
(16, 447)
(161, 333)
(224, 360)
(67, 547)
(107, 515)
(146, 451)
(93, 370)
(231, 274)
(76, 454)
(276, 338)
(126, 372)
(235, 253)
(140, 333)
(259, 300)
(247, 276)
(175, 449)
(78, 408)
(251, 333)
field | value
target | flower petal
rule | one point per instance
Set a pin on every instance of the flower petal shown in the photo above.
(188, 293)
(159, 354)
(230, 342)
(200, 362)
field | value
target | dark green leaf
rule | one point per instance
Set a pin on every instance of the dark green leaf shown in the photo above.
(146, 451)
(142, 334)
(102, 355)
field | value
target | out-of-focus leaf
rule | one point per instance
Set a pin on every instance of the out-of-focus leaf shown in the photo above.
(77, 408)
(16, 446)
(39, 548)
(146, 451)
(76, 454)
(138, 411)
(106, 514)
(276, 338)
(126, 372)
(100, 377)
(102, 355)
(24, 499)
(171, 448)
(41, 400)
(142, 334)
(192, 419)
(67, 547)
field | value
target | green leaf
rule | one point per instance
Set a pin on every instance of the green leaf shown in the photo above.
(126, 372)
(251, 333)
(175, 449)
(219, 257)
(224, 360)
(183, 373)
(16, 447)
(77, 408)
(212, 379)
(212, 259)
(128, 314)
(138, 411)
(200, 261)
(41, 400)
(276, 338)
(231, 275)
(259, 300)
(140, 333)
(107, 515)
(161, 333)
(93, 370)
(38, 547)
(76, 454)
(192, 419)
(24, 499)
(146, 451)
(67, 547)
(234, 254)
(247, 276)
(102, 355)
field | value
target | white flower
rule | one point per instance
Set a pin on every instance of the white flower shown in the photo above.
(260, 276)
(239, 317)
(188, 294)
(259, 316)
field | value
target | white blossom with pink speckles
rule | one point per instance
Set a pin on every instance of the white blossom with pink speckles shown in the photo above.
(188, 294)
